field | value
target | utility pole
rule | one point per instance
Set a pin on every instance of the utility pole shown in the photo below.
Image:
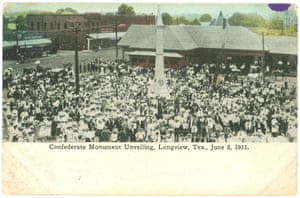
(17, 40)
(116, 29)
(281, 27)
(97, 38)
(76, 62)
(263, 55)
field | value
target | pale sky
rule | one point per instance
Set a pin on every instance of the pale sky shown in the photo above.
(147, 8)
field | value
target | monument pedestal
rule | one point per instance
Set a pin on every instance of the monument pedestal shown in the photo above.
(158, 88)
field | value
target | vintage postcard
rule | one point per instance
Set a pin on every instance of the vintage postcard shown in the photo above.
(170, 98)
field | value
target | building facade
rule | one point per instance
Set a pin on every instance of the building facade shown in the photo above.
(61, 28)
(207, 45)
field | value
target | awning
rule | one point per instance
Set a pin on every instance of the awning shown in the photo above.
(106, 35)
(27, 43)
(149, 53)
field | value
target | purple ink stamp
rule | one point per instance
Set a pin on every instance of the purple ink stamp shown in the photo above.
(279, 7)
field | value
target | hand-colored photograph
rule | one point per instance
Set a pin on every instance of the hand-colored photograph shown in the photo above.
(149, 98)
(149, 73)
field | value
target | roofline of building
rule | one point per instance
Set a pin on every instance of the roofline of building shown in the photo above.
(55, 14)
(85, 14)
(184, 50)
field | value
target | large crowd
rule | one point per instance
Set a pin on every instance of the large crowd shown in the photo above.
(114, 105)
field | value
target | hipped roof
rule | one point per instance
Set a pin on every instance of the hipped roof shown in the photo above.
(282, 44)
(188, 37)
(150, 53)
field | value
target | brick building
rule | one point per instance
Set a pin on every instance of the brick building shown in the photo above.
(61, 28)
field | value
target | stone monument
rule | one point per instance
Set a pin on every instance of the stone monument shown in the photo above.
(158, 87)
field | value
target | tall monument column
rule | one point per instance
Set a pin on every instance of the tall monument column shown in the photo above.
(159, 58)
(159, 86)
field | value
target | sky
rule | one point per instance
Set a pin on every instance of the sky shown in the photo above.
(180, 8)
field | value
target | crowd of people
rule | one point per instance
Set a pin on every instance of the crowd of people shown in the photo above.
(113, 105)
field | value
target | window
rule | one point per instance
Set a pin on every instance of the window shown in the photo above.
(38, 26)
(45, 26)
(58, 26)
(32, 25)
(51, 26)
(65, 25)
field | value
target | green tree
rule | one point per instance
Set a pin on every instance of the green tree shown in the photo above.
(248, 20)
(205, 18)
(196, 22)
(71, 10)
(290, 17)
(60, 11)
(275, 21)
(183, 20)
(167, 18)
(124, 9)
(236, 19)
(21, 23)
(5, 23)
(66, 11)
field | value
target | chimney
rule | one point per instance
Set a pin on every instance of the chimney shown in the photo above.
(224, 23)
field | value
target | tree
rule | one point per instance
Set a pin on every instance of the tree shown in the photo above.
(60, 11)
(183, 20)
(236, 19)
(5, 23)
(248, 20)
(124, 9)
(66, 11)
(167, 18)
(276, 21)
(290, 17)
(205, 18)
(21, 23)
(71, 10)
(195, 22)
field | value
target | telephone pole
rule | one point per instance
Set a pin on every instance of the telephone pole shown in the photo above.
(76, 63)
(17, 39)
(116, 29)
(263, 55)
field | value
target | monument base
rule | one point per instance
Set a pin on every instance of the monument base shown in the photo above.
(158, 89)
